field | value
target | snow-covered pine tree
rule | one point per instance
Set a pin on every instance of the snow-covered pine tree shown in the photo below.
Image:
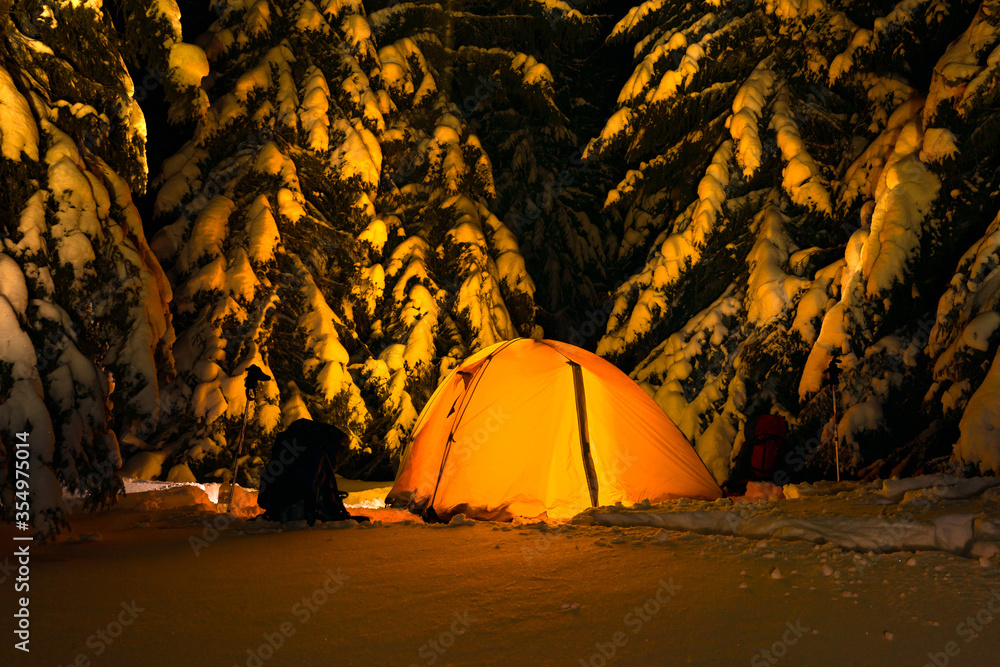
(962, 111)
(497, 63)
(823, 138)
(85, 333)
(263, 207)
(328, 221)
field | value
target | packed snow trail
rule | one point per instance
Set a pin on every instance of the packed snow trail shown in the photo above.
(156, 582)
(929, 513)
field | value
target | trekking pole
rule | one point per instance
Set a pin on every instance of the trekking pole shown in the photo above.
(836, 432)
(833, 375)
(254, 376)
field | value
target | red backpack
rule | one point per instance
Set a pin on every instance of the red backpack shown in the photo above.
(765, 435)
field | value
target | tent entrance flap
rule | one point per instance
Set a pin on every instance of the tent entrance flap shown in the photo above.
(471, 381)
(581, 415)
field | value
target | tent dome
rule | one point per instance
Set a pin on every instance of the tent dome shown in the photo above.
(529, 426)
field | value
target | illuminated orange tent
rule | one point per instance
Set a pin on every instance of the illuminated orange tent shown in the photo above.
(527, 426)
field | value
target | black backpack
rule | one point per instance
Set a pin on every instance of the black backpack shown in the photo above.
(298, 481)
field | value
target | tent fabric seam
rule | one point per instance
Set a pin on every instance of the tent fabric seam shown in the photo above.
(589, 470)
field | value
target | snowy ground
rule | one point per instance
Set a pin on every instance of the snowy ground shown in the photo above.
(904, 572)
